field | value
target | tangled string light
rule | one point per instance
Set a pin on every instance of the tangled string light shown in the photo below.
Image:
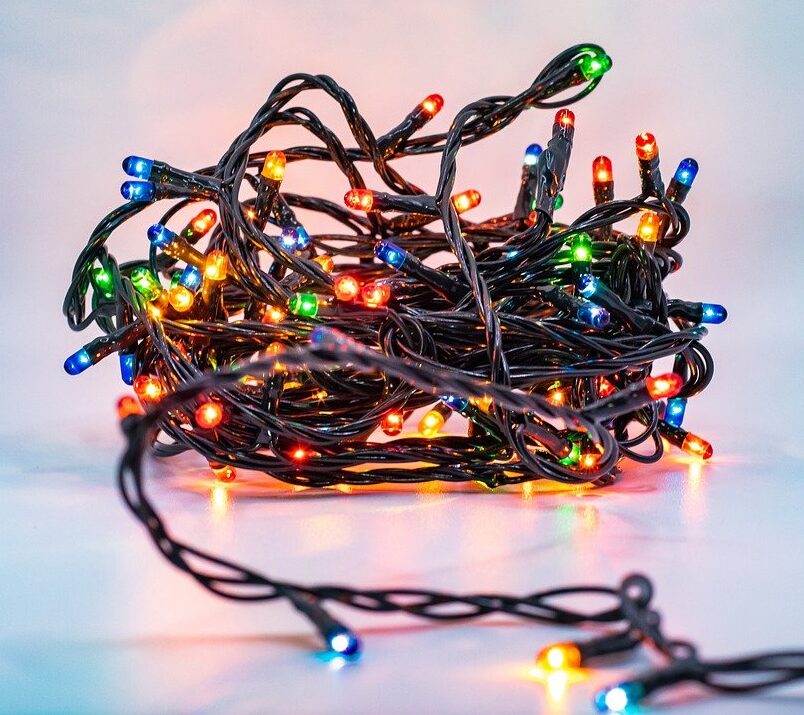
(284, 352)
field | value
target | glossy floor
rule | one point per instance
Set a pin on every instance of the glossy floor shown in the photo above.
(100, 622)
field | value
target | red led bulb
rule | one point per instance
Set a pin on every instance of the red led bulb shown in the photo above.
(392, 423)
(646, 147)
(601, 170)
(696, 446)
(209, 415)
(203, 222)
(359, 199)
(375, 295)
(346, 288)
(565, 117)
(432, 104)
(466, 200)
(663, 386)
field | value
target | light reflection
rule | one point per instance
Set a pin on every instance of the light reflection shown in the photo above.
(527, 491)
(693, 495)
(220, 501)
(557, 685)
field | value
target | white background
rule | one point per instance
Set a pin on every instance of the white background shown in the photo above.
(94, 621)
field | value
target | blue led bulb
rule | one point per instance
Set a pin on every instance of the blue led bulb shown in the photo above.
(138, 167)
(674, 411)
(287, 238)
(619, 698)
(593, 315)
(532, 154)
(127, 367)
(138, 190)
(587, 285)
(77, 362)
(342, 640)
(302, 238)
(459, 404)
(191, 278)
(713, 313)
(391, 254)
(161, 236)
(686, 172)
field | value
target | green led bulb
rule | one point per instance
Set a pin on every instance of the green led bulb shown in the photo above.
(146, 283)
(103, 281)
(594, 66)
(574, 457)
(559, 202)
(305, 304)
(582, 248)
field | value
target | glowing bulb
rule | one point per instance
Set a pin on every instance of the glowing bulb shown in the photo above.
(138, 190)
(359, 199)
(209, 415)
(432, 104)
(713, 313)
(557, 396)
(581, 248)
(466, 200)
(325, 262)
(181, 298)
(686, 172)
(103, 281)
(77, 362)
(191, 277)
(223, 472)
(202, 223)
(390, 254)
(602, 170)
(216, 265)
(559, 656)
(595, 66)
(343, 641)
(302, 238)
(565, 118)
(459, 404)
(587, 285)
(392, 423)
(148, 388)
(274, 166)
(649, 225)
(346, 288)
(127, 367)
(606, 388)
(696, 446)
(431, 423)
(589, 460)
(618, 698)
(273, 314)
(288, 238)
(127, 406)
(304, 304)
(138, 167)
(593, 315)
(664, 386)
(375, 295)
(146, 283)
(646, 147)
(532, 154)
(300, 454)
(674, 411)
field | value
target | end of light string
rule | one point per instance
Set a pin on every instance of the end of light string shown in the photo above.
(619, 698)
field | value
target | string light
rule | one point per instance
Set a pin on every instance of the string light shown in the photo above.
(550, 328)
